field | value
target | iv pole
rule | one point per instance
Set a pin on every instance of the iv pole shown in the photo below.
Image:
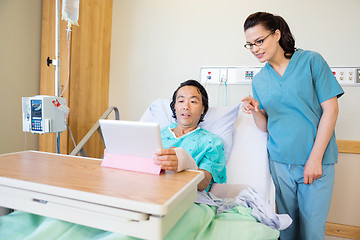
(57, 64)
(56, 61)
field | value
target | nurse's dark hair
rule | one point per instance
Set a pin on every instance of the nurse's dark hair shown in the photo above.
(272, 23)
(201, 90)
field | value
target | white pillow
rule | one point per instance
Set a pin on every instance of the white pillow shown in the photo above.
(218, 120)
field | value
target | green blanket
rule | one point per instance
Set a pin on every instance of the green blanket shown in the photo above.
(199, 222)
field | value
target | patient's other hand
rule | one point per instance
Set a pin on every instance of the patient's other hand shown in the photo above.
(167, 159)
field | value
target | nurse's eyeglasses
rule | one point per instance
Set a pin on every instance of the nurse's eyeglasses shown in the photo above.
(257, 43)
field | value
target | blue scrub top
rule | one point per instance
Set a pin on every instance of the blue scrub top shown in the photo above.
(207, 149)
(292, 103)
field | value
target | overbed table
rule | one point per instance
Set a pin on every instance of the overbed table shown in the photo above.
(79, 190)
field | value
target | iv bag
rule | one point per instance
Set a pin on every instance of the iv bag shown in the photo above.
(70, 11)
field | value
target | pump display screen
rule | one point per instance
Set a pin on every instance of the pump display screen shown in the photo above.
(36, 109)
(36, 115)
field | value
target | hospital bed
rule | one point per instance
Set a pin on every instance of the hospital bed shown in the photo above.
(247, 166)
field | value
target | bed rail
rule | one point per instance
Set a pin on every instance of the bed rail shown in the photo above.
(96, 127)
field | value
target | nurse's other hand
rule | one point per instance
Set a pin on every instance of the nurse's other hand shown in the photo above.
(166, 158)
(249, 104)
(312, 170)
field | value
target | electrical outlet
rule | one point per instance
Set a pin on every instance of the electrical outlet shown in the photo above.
(346, 75)
(242, 75)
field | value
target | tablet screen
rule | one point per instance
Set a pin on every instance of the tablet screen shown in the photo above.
(132, 138)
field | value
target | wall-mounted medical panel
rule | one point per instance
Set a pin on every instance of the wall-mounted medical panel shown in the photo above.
(229, 75)
(349, 76)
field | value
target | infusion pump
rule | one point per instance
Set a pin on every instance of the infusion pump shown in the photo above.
(44, 114)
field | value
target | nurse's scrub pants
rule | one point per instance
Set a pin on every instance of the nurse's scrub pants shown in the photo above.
(307, 204)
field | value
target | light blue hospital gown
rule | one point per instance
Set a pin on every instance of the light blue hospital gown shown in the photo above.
(206, 148)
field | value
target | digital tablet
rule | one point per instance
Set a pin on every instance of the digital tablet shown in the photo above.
(131, 138)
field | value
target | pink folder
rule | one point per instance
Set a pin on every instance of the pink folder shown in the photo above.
(130, 163)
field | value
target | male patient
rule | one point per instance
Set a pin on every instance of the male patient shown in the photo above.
(187, 146)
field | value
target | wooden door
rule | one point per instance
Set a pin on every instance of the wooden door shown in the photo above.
(87, 92)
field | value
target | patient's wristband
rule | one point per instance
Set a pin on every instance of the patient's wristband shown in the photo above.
(185, 161)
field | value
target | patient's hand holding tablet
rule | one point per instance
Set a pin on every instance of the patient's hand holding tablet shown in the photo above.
(175, 159)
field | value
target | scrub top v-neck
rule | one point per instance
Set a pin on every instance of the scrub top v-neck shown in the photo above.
(292, 103)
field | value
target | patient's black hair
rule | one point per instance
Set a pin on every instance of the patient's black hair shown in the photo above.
(201, 89)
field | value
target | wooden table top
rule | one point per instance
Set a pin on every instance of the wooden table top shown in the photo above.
(86, 175)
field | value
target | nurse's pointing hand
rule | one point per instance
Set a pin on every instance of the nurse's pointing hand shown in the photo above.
(249, 104)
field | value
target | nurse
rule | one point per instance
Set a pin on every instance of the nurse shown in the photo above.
(295, 101)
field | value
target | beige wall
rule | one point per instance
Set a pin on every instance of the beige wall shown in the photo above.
(345, 202)
(20, 35)
(157, 44)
